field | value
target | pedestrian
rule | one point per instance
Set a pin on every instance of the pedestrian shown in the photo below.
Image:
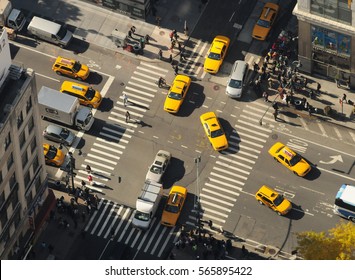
(318, 87)
(133, 29)
(170, 58)
(160, 54)
(130, 34)
(176, 69)
(128, 116)
(266, 96)
(146, 39)
(244, 250)
(171, 35)
(275, 114)
(176, 36)
(310, 108)
(182, 56)
(88, 169)
(179, 47)
(210, 224)
(158, 19)
(125, 99)
(91, 182)
(186, 31)
(288, 99)
(172, 45)
(275, 106)
(270, 82)
(344, 98)
(255, 67)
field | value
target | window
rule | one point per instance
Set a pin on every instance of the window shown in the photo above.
(7, 141)
(29, 199)
(38, 183)
(31, 125)
(3, 218)
(10, 161)
(2, 199)
(22, 139)
(1, 177)
(28, 105)
(33, 144)
(337, 10)
(19, 120)
(13, 181)
(24, 159)
(27, 179)
(35, 165)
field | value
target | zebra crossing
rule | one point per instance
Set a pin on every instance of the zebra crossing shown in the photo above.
(114, 136)
(111, 217)
(231, 170)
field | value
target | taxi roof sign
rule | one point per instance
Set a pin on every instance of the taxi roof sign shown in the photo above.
(287, 152)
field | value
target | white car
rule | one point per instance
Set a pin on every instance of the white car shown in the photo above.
(236, 79)
(158, 167)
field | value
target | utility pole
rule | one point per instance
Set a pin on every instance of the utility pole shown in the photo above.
(197, 201)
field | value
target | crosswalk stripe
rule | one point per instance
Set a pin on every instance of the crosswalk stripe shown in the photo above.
(231, 161)
(144, 89)
(128, 90)
(95, 173)
(117, 138)
(127, 224)
(213, 198)
(322, 129)
(110, 143)
(158, 240)
(238, 157)
(121, 120)
(92, 218)
(115, 219)
(242, 152)
(117, 132)
(206, 215)
(100, 158)
(170, 234)
(154, 67)
(214, 205)
(151, 237)
(304, 124)
(95, 163)
(230, 173)
(151, 84)
(133, 113)
(227, 178)
(232, 191)
(149, 77)
(258, 127)
(114, 150)
(247, 141)
(112, 210)
(129, 235)
(251, 131)
(247, 135)
(232, 167)
(133, 99)
(138, 234)
(338, 133)
(254, 118)
(352, 135)
(99, 219)
(244, 147)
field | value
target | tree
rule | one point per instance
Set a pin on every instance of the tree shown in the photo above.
(337, 244)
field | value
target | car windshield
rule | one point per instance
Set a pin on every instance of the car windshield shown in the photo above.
(64, 133)
(76, 66)
(215, 56)
(88, 118)
(278, 200)
(141, 216)
(62, 32)
(263, 23)
(295, 159)
(174, 95)
(156, 169)
(235, 83)
(172, 208)
(90, 93)
(52, 152)
(216, 133)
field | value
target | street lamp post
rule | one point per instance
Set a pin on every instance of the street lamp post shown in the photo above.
(197, 201)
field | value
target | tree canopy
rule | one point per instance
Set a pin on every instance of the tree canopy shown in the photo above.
(337, 244)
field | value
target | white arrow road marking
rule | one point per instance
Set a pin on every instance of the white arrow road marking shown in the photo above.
(334, 160)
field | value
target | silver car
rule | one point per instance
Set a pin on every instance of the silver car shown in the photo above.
(236, 79)
(59, 134)
(157, 169)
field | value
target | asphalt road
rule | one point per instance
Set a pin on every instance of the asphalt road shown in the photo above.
(226, 182)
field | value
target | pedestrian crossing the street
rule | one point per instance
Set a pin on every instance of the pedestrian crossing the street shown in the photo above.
(231, 170)
(114, 136)
(111, 217)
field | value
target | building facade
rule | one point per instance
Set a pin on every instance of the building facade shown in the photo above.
(326, 41)
(24, 199)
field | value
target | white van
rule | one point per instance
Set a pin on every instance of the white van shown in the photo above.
(49, 31)
(236, 79)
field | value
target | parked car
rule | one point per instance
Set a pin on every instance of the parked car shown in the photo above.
(59, 134)
(52, 155)
(265, 22)
(158, 167)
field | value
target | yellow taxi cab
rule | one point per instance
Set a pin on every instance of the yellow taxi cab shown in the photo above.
(173, 206)
(216, 54)
(290, 159)
(52, 155)
(214, 131)
(273, 200)
(177, 93)
(86, 94)
(71, 68)
(266, 20)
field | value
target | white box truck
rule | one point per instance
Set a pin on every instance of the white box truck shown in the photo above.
(64, 108)
(11, 18)
(147, 204)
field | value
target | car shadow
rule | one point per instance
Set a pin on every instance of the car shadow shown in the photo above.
(232, 137)
(106, 105)
(174, 173)
(194, 99)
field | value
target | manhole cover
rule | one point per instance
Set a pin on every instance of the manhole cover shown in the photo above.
(216, 87)
(122, 84)
(274, 136)
(271, 251)
(161, 32)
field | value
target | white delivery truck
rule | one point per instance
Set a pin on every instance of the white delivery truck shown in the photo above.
(147, 204)
(11, 18)
(64, 108)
